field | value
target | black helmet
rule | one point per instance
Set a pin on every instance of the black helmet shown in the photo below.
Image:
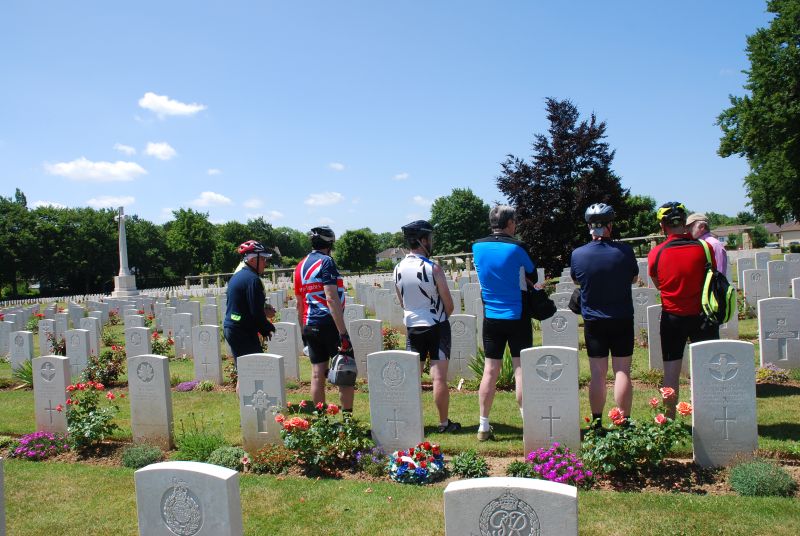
(322, 237)
(599, 214)
(416, 229)
(672, 213)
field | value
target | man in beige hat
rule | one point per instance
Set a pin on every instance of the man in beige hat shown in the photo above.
(697, 225)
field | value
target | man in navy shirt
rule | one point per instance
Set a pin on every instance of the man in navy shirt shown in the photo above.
(504, 267)
(245, 317)
(605, 271)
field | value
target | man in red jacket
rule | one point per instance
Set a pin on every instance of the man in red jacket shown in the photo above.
(678, 268)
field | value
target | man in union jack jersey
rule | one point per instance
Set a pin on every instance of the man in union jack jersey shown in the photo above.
(320, 307)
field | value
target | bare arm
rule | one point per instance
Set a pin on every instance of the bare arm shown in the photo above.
(299, 306)
(443, 289)
(335, 307)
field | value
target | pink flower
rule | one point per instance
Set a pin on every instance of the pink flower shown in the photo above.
(660, 418)
(667, 392)
(616, 416)
(654, 402)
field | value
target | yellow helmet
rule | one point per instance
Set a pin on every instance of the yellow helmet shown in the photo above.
(673, 213)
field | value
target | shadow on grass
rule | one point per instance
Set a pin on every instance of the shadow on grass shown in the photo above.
(671, 475)
(768, 390)
(781, 430)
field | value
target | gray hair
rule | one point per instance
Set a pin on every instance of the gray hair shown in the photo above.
(500, 215)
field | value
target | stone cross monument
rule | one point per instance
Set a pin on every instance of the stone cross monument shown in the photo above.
(125, 282)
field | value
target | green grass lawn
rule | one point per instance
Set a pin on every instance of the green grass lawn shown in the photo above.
(57, 498)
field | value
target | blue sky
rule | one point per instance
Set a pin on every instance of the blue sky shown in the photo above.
(355, 114)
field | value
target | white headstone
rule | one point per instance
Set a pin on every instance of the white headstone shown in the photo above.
(210, 315)
(779, 332)
(561, 299)
(565, 287)
(561, 329)
(150, 399)
(182, 333)
(510, 506)
(207, 362)
(365, 334)
(62, 325)
(540, 275)
(730, 329)
(550, 397)
(395, 399)
(642, 299)
(778, 279)
(77, 350)
(284, 344)
(21, 348)
(383, 304)
(351, 312)
(188, 499)
(47, 329)
(723, 384)
(755, 286)
(261, 394)
(92, 325)
(51, 376)
(456, 295)
(6, 328)
(793, 264)
(470, 292)
(655, 355)
(762, 258)
(744, 263)
(795, 288)
(137, 342)
(463, 346)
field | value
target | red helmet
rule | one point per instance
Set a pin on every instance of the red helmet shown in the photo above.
(252, 246)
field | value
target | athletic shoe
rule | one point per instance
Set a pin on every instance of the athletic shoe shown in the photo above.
(486, 436)
(450, 427)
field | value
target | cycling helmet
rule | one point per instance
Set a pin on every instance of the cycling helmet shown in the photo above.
(322, 237)
(416, 230)
(599, 214)
(672, 213)
(253, 247)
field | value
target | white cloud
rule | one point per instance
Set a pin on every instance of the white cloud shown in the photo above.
(214, 171)
(326, 221)
(209, 199)
(162, 105)
(165, 215)
(86, 170)
(253, 203)
(37, 204)
(421, 201)
(324, 199)
(125, 149)
(110, 201)
(401, 176)
(272, 215)
(161, 150)
(336, 166)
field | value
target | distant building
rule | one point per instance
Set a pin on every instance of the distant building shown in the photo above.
(391, 254)
(789, 233)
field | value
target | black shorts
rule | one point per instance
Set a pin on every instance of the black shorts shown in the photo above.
(605, 335)
(433, 341)
(675, 330)
(323, 342)
(496, 333)
(242, 343)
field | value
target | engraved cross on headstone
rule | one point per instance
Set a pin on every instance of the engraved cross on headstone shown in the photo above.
(180, 338)
(395, 421)
(260, 402)
(50, 409)
(725, 420)
(550, 418)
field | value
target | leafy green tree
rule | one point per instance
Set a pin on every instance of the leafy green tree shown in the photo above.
(190, 242)
(147, 253)
(641, 220)
(745, 218)
(18, 248)
(390, 240)
(760, 236)
(570, 170)
(459, 219)
(293, 245)
(356, 250)
(229, 236)
(719, 220)
(764, 126)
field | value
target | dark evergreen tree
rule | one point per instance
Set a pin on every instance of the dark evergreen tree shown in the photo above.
(569, 170)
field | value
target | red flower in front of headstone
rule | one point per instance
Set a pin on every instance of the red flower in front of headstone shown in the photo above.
(660, 418)
(110, 395)
(319, 405)
(616, 416)
(654, 402)
(279, 418)
(59, 408)
(684, 408)
(667, 392)
(333, 409)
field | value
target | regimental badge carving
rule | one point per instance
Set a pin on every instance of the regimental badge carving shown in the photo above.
(145, 372)
(180, 509)
(75, 340)
(48, 371)
(365, 332)
(641, 298)
(459, 328)
(280, 334)
(204, 337)
(393, 374)
(509, 516)
(559, 323)
(756, 276)
(136, 338)
(723, 367)
(549, 368)
(18, 341)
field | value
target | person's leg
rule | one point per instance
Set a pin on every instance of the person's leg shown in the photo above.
(520, 336)
(598, 366)
(347, 394)
(515, 361)
(318, 372)
(674, 333)
(441, 391)
(491, 370)
(494, 344)
(672, 373)
(623, 387)
(596, 336)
